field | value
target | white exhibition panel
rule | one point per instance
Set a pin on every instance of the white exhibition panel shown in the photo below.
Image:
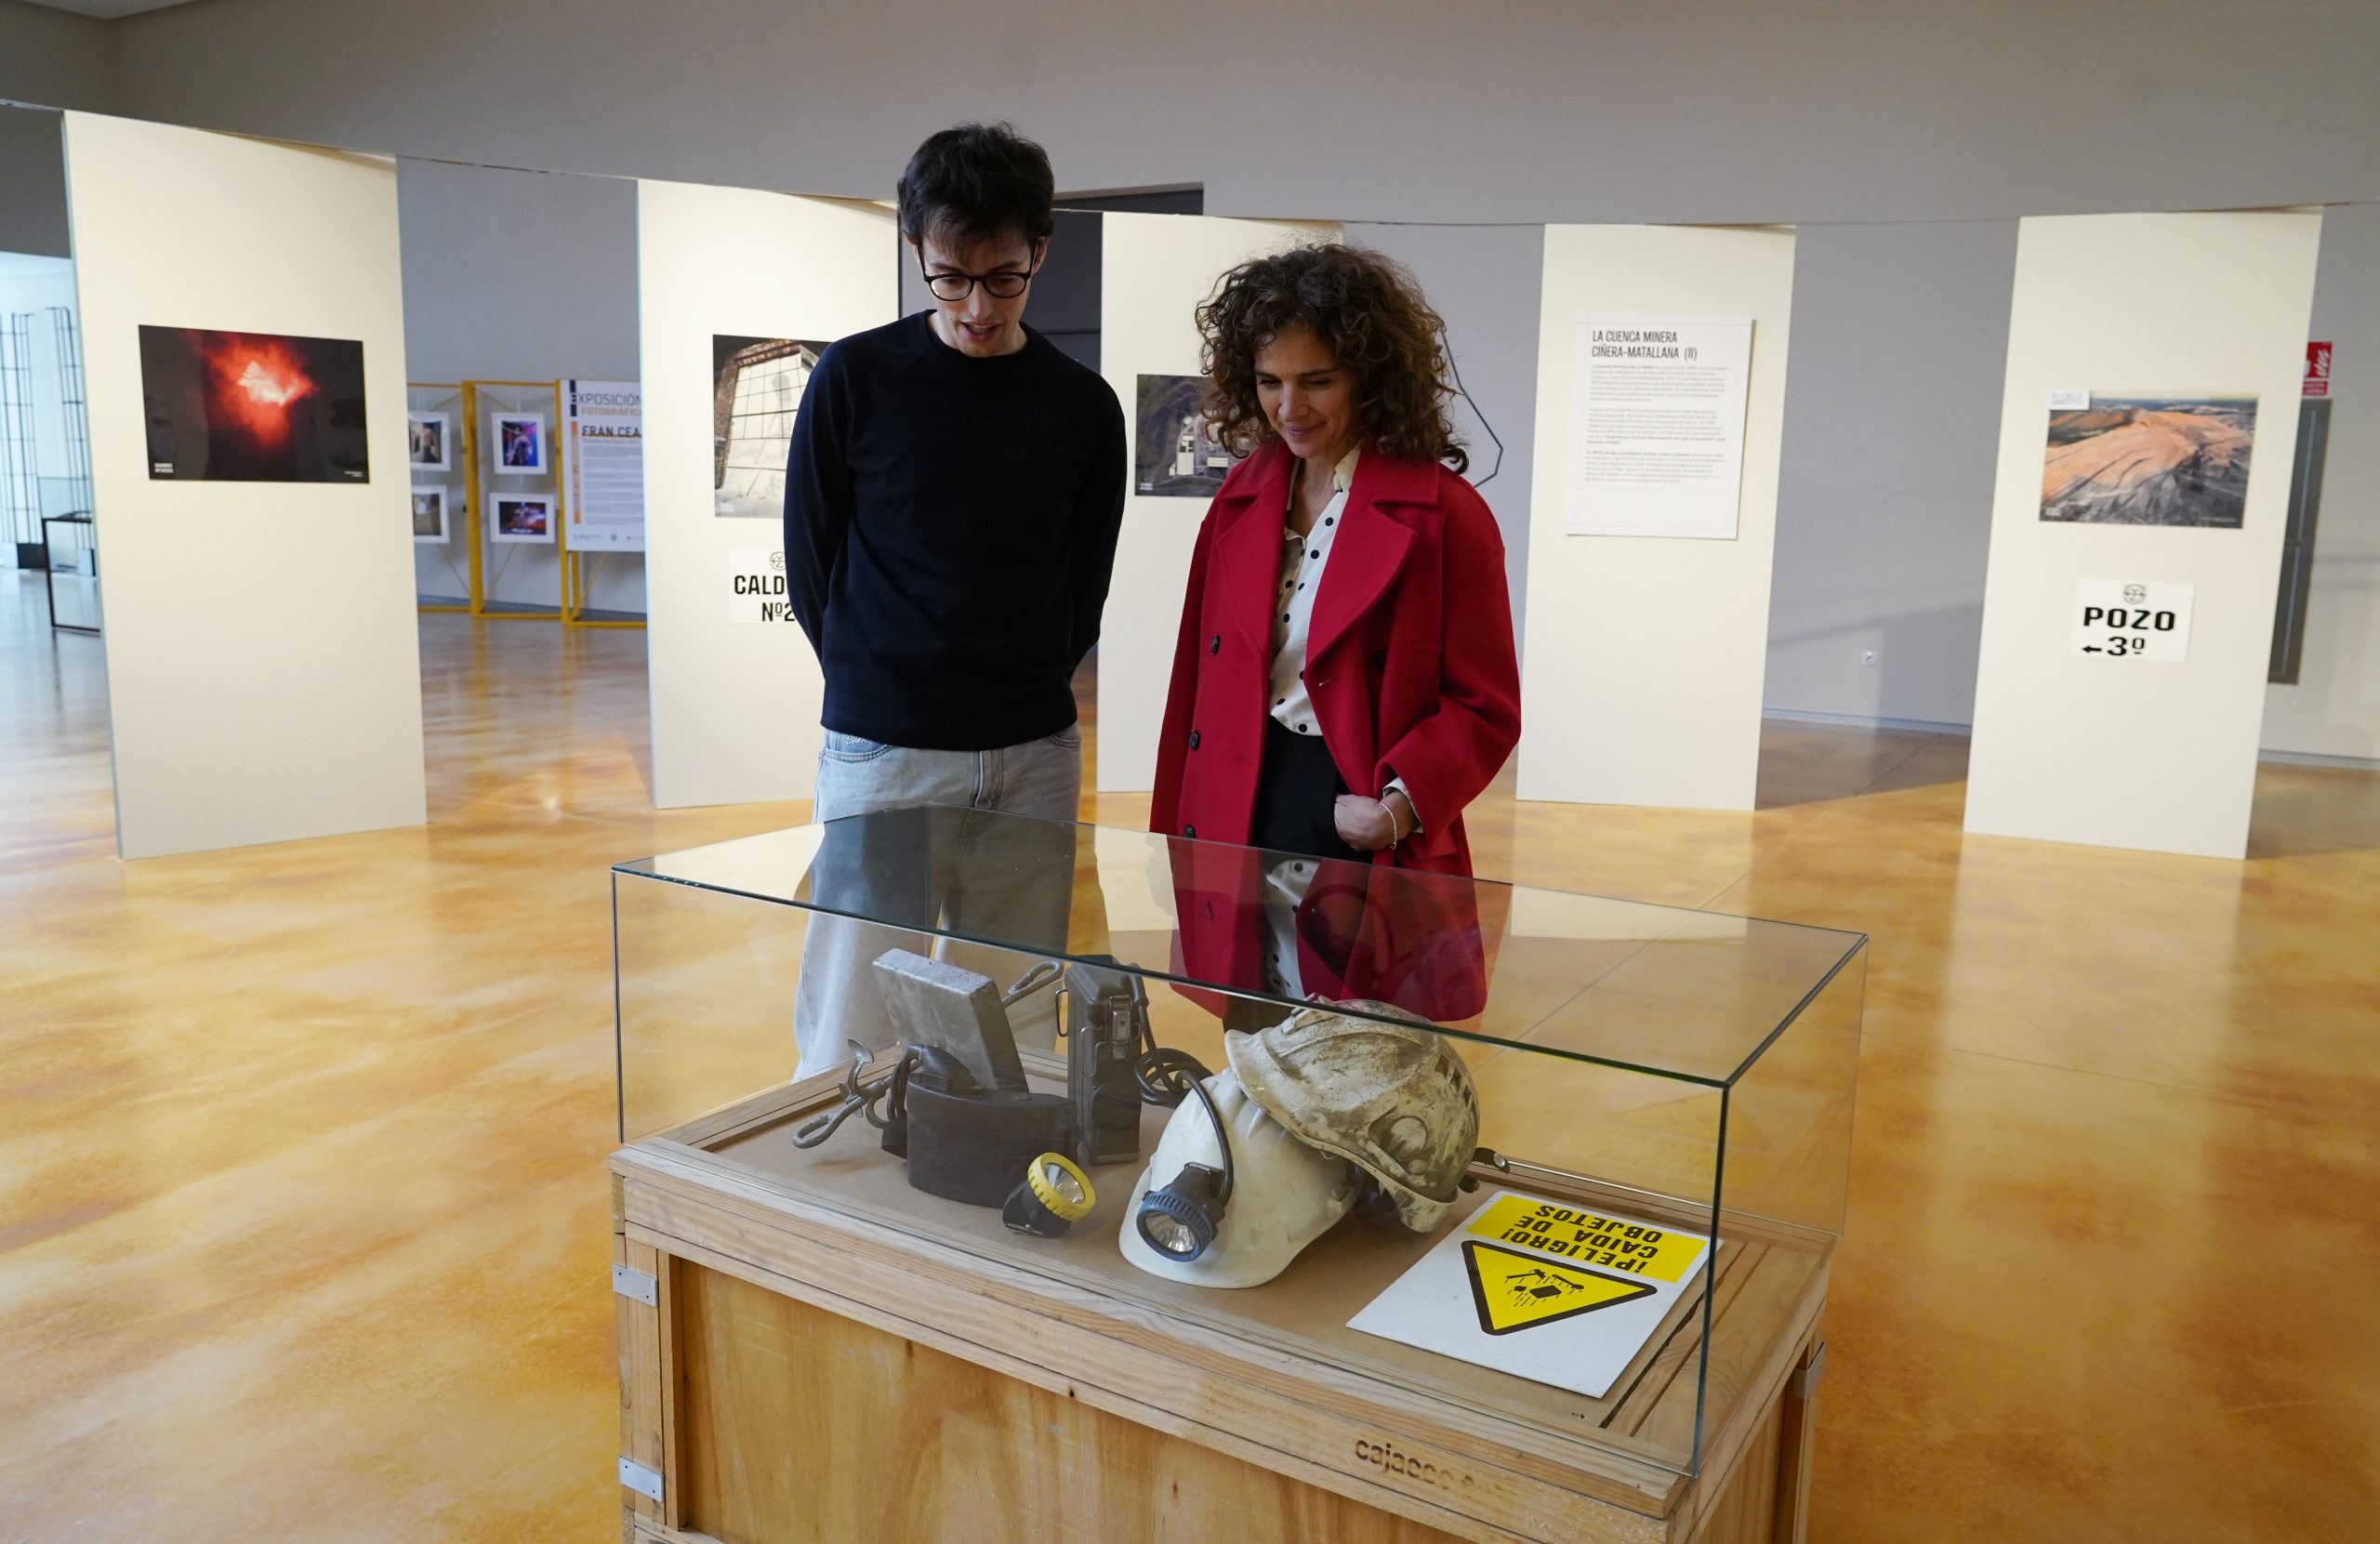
(735, 705)
(1155, 271)
(264, 673)
(1641, 670)
(2136, 753)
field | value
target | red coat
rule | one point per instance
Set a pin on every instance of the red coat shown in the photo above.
(1424, 941)
(1410, 660)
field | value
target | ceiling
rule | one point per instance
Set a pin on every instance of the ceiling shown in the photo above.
(108, 10)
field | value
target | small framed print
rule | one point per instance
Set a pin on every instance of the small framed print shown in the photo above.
(520, 443)
(521, 518)
(426, 441)
(430, 514)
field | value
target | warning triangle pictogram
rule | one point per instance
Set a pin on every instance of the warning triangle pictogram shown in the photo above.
(1516, 1292)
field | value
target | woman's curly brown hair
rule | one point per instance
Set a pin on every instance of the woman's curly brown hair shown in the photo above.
(1369, 312)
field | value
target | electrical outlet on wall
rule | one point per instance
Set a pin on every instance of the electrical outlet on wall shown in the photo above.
(1868, 658)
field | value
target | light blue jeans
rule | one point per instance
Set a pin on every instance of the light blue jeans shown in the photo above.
(1011, 880)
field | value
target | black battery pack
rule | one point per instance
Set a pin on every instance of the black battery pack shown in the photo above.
(1107, 1022)
(974, 1146)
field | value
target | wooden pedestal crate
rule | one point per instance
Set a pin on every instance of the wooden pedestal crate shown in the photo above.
(808, 1357)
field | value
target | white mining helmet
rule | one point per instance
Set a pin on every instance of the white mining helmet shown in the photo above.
(1283, 1193)
(1394, 1099)
(1319, 1109)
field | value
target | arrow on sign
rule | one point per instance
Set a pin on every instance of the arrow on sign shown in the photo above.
(1516, 1292)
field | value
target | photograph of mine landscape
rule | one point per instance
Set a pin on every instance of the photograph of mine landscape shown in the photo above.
(2151, 461)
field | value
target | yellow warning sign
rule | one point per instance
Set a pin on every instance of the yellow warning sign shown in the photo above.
(1516, 1292)
(1606, 1243)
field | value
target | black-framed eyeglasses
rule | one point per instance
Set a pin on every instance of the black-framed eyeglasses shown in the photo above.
(1001, 284)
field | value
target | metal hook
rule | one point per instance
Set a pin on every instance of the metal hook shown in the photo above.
(858, 1095)
(1049, 972)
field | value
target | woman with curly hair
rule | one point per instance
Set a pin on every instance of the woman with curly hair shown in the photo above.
(1344, 683)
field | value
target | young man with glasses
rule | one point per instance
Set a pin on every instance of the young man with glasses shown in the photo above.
(952, 503)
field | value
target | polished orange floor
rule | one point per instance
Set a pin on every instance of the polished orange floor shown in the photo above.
(303, 1216)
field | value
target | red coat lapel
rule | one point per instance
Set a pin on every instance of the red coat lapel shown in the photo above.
(1371, 547)
(1247, 542)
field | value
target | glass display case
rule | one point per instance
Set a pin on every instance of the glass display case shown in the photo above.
(1663, 1101)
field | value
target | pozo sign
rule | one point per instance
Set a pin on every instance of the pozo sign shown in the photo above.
(2133, 619)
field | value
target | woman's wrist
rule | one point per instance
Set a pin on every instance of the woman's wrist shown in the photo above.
(1399, 831)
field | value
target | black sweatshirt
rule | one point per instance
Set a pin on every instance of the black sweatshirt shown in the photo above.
(949, 527)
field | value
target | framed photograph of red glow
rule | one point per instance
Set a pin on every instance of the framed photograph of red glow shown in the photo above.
(253, 407)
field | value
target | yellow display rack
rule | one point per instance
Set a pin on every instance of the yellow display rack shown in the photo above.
(479, 607)
(461, 393)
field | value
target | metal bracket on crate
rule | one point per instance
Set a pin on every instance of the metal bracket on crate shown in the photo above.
(630, 1283)
(1806, 1382)
(644, 1482)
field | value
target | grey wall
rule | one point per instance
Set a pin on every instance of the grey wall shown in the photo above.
(56, 59)
(1860, 121)
(2335, 708)
(512, 275)
(1884, 498)
(1485, 281)
(1523, 110)
(517, 275)
(32, 183)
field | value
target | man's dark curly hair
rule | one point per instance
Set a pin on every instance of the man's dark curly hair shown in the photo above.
(976, 182)
(1369, 312)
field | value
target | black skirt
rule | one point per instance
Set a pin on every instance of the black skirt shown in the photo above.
(1296, 794)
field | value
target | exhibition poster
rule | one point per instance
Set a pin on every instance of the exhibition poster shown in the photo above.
(756, 393)
(1173, 453)
(1553, 1293)
(521, 518)
(253, 407)
(603, 459)
(1657, 425)
(2149, 460)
